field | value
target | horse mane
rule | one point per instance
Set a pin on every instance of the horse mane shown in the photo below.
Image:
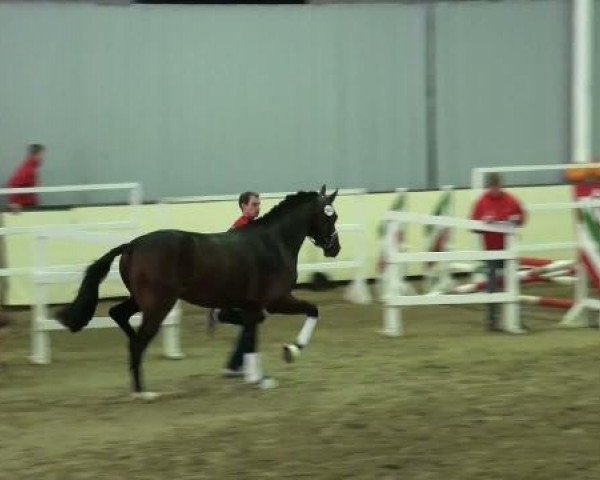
(284, 207)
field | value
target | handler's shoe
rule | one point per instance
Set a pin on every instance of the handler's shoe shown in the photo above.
(231, 373)
(266, 383)
(493, 325)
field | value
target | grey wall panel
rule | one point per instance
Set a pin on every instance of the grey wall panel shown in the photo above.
(503, 86)
(208, 100)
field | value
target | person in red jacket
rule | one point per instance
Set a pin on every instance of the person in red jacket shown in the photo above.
(496, 205)
(26, 176)
(249, 203)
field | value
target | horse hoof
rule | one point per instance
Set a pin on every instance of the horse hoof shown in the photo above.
(290, 353)
(145, 396)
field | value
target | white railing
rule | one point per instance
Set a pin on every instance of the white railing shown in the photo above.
(134, 199)
(478, 183)
(544, 208)
(582, 299)
(134, 187)
(44, 275)
(394, 298)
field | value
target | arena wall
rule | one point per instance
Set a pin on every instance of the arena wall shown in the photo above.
(280, 98)
(217, 216)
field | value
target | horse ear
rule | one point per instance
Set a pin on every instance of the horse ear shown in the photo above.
(323, 190)
(332, 196)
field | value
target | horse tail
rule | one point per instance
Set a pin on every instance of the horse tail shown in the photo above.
(79, 313)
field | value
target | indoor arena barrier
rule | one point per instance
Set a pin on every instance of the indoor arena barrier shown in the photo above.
(583, 248)
(399, 204)
(133, 189)
(393, 297)
(45, 275)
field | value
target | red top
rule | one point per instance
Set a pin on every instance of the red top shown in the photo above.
(587, 189)
(241, 222)
(26, 175)
(502, 207)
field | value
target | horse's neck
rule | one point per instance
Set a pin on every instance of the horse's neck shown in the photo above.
(293, 229)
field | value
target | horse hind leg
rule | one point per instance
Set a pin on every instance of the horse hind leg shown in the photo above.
(151, 322)
(122, 312)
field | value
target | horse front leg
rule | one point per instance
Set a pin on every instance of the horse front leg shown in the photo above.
(291, 306)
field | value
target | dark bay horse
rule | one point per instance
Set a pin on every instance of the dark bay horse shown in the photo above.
(253, 269)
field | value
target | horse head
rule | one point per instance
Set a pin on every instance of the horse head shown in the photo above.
(322, 229)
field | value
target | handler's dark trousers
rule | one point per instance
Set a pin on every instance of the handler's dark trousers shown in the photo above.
(247, 341)
(494, 279)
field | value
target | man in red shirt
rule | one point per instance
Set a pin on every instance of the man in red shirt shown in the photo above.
(26, 176)
(249, 203)
(496, 205)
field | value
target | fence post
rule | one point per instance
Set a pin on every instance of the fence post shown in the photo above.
(392, 322)
(40, 338)
(511, 310)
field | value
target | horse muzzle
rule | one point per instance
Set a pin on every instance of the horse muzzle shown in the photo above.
(333, 250)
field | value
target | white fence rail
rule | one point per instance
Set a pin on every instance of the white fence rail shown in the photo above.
(394, 297)
(44, 275)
